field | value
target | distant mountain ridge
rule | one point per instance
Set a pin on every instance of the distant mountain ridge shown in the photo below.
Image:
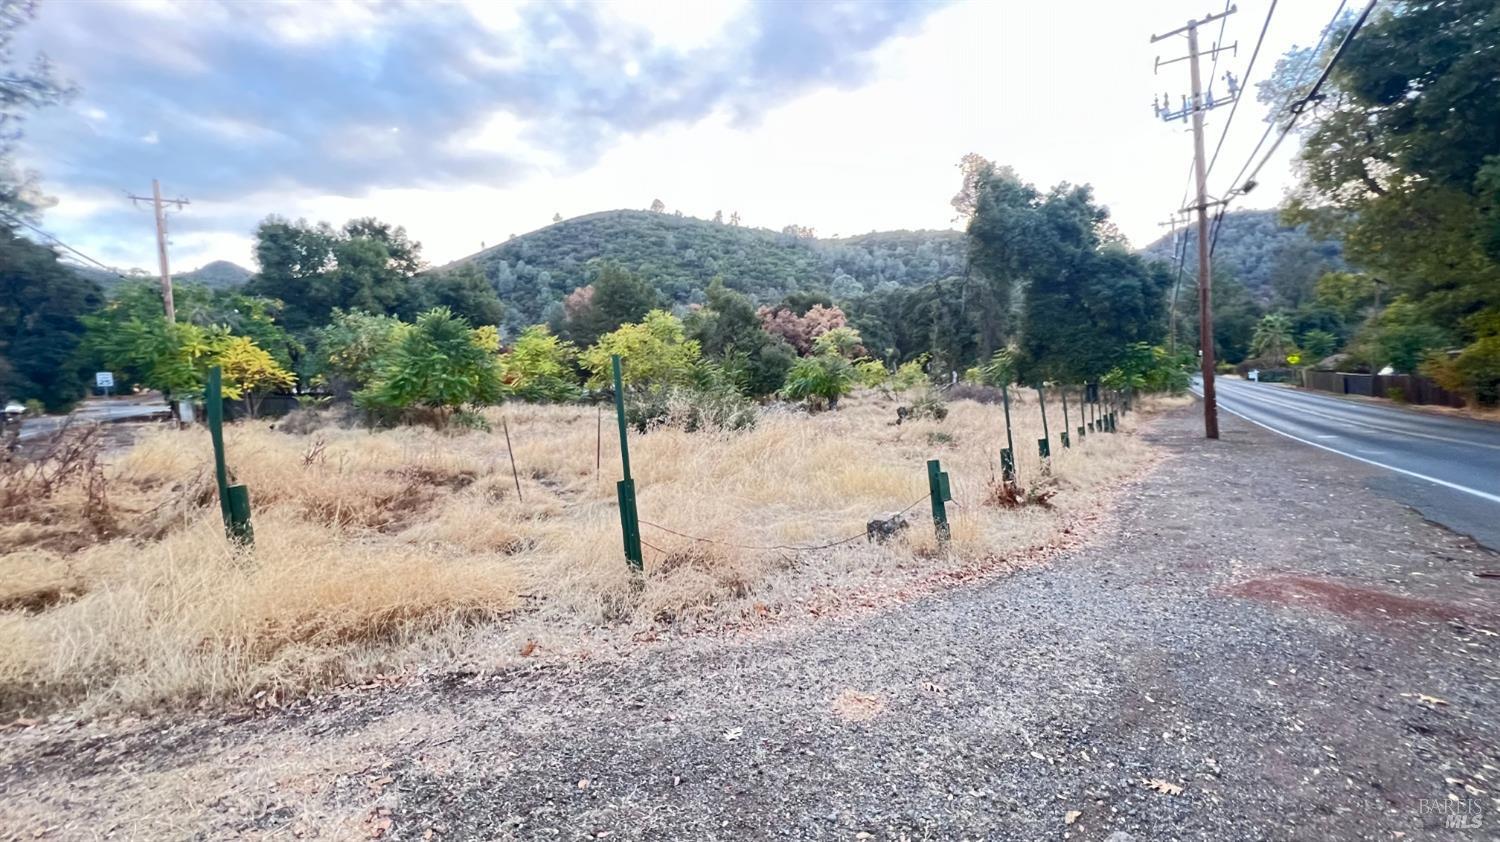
(1252, 247)
(217, 274)
(680, 255)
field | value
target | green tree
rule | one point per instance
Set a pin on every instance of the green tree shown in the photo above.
(539, 366)
(843, 341)
(350, 347)
(171, 358)
(367, 265)
(1401, 338)
(1078, 323)
(439, 366)
(1395, 155)
(1273, 340)
(1318, 344)
(22, 89)
(618, 297)
(463, 289)
(250, 372)
(728, 329)
(654, 351)
(820, 380)
(42, 305)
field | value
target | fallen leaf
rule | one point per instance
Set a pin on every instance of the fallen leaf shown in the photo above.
(1163, 787)
(527, 648)
(1430, 700)
(1071, 816)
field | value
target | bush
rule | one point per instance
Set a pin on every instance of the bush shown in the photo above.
(819, 380)
(1147, 368)
(1474, 372)
(930, 405)
(434, 369)
(872, 374)
(539, 367)
(654, 351)
(909, 375)
(688, 408)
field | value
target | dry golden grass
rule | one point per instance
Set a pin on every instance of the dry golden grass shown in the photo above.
(379, 551)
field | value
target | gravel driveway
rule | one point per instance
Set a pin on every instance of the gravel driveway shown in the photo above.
(1262, 647)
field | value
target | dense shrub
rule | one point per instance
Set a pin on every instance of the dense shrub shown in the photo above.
(1473, 372)
(820, 380)
(436, 368)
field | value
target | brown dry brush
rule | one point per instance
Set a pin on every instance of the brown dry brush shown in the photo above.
(29, 487)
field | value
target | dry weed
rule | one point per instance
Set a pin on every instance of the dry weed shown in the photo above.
(378, 550)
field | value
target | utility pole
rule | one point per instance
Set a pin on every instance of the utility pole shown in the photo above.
(161, 243)
(1178, 242)
(1199, 105)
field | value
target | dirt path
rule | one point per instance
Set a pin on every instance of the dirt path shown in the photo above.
(1304, 658)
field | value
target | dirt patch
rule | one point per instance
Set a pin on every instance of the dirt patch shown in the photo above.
(854, 706)
(1348, 600)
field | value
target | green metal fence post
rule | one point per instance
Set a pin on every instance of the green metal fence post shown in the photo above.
(1008, 455)
(1044, 444)
(1063, 390)
(630, 523)
(234, 500)
(937, 487)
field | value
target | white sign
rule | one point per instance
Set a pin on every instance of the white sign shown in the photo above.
(104, 380)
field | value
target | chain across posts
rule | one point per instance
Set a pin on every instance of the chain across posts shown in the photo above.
(630, 522)
(1008, 455)
(1044, 444)
(234, 500)
(938, 489)
(1063, 390)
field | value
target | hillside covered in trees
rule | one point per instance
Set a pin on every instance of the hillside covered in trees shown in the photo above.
(1256, 249)
(220, 274)
(681, 255)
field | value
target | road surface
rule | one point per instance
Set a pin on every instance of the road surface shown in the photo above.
(1447, 468)
(98, 411)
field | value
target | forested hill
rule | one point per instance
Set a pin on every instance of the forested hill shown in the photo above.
(218, 274)
(679, 255)
(1254, 248)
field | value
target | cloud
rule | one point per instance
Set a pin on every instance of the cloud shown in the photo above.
(340, 98)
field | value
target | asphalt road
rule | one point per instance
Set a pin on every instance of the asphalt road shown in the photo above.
(98, 411)
(1446, 468)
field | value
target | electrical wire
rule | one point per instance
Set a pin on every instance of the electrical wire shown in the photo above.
(791, 547)
(1238, 186)
(1300, 105)
(1307, 64)
(54, 241)
(1244, 80)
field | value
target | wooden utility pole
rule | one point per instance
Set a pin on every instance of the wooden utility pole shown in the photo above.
(1200, 174)
(161, 243)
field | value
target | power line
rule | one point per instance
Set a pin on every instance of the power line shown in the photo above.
(1244, 80)
(54, 241)
(1301, 105)
(1301, 74)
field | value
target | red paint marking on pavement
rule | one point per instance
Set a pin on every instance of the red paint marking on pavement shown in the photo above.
(1349, 600)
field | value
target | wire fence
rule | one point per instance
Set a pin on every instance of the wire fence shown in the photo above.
(864, 533)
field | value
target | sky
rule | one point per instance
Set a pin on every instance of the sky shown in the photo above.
(469, 122)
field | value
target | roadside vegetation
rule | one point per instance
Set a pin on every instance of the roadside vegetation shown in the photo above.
(381, 552)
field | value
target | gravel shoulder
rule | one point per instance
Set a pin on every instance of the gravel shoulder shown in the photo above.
(1261, 646)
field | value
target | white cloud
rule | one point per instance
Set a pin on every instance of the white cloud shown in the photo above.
(1060, 92)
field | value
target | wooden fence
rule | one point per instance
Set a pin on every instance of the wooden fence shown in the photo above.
(1407, 388)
